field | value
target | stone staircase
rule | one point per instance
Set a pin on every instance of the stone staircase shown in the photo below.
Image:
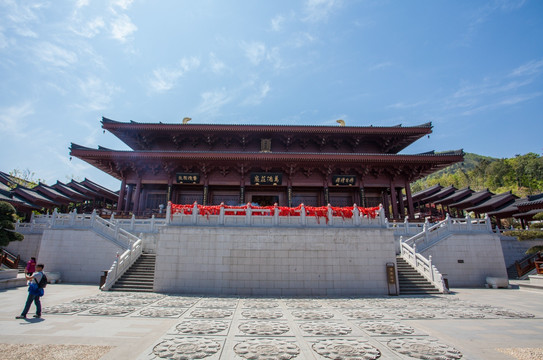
(411, 282)
(140, 276)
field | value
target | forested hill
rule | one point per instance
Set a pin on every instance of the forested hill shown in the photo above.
(522, 174)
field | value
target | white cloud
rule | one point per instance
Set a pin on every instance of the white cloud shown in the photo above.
(91, 28)
(124, 4)
(97, 93)
(319, 10)
(258, 96)
(82, 3)
(212, 101)
(277, 23)
(302, 39)
(254, 51)
(12, 119)
(534, 67)
(380, 66)
(122, 27)
(164, 79)
(215, 64)
(257, 52)
(55, 55)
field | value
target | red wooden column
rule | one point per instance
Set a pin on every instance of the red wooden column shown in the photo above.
(136, 208)
(393, 200)
(401, 204)
(121, 196)
(129, 198)
(410, 208)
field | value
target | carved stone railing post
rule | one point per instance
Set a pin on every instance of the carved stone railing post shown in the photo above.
(221, 214)
(132, 222)
(382, 218)
(112, 218)
(54, 217)
(248, 213)
(195, 213)
(468, 221)
(275, 215)
(356, 215)
(153, 222)
(168, 212)
(330, 215)
(93, 217)
(431, 268)
(488, 223)
(303, 220)
(406, 224)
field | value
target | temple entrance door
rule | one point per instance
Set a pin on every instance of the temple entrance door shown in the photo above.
(265, 200)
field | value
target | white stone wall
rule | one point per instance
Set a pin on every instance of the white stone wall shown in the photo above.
(482, 256)
(79, 255)
(273, 261)
(27, 248)
(514, 250)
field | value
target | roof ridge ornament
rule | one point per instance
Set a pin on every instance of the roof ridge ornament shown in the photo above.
(186, 120)
(341, 122)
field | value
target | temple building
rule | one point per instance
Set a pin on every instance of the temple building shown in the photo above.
(265, 164)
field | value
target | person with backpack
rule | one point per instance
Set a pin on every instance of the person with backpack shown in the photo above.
(36, 283)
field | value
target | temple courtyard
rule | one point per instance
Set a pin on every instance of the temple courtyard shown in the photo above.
(81, 322)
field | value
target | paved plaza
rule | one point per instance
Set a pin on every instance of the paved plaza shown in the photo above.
(468, 324)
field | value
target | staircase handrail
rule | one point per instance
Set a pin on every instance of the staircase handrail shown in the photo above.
(432, 234)
(113, 231)
(122, 263)
(9, 259)
(528, 264)
(423, 266)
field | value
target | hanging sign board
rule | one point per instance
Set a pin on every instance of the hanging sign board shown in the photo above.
(266, 178)
(187, 178)
(345, 180)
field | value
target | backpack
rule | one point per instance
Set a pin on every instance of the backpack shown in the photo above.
(43, 282)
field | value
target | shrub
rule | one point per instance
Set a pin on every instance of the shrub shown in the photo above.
(525, 234)
(534, 249)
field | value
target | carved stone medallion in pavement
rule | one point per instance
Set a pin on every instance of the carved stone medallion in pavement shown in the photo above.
(201, 327)
(312, 315)
(363, 314)
(346, 349)
(67, 309)
(230, 303)
(176, 302)
(161, 312)
(303, 304)
(424, 348)
(253, 304)
(325, 328)
(265, 349)
(262, 314)
(264, 328)
(386, 328)
(186, 348)
(110, 310)
(211, 313)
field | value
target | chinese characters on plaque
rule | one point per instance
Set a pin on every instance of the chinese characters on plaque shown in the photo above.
(266, 178)
(187, 178)
(348, 180)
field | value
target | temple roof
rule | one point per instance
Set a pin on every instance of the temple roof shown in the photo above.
(494, 202)
(419, 195)
(144, 136)
(112, 162)
(70, 192)
(443, 193)
(473, 199)
(456, 196)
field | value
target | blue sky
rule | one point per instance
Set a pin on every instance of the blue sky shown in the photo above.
(472, 68)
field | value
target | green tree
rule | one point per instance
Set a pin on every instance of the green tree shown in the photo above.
(25, 178)
(7, 224)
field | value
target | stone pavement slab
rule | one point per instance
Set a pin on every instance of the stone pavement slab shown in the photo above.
(468, 324)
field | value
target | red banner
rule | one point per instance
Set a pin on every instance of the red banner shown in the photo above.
(318, 212)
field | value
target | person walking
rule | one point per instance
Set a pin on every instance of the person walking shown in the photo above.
(35, 291)
(30, 266)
